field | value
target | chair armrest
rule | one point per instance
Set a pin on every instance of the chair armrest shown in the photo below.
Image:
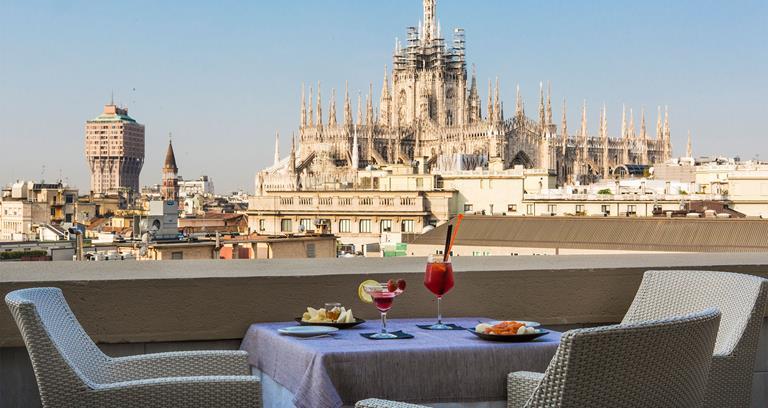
(188, 392)
(378, 403)
(520, 387)
(179, 364)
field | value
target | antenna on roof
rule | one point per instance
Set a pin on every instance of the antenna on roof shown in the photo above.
(112, 98)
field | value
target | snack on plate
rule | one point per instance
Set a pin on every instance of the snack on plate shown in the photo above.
(505, 328)
(313, 315)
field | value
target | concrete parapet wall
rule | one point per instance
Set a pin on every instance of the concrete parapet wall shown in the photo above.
(136, 307)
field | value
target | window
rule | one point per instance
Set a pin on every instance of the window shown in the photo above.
(177, 255)
(467, 207)
(305, 224)
(605, 209)
(53, 211)
(310, 250)
(69, 199)
(407, 225)
(262, 225)
(419, 182)
(345, 226)
(68, 218)
(552, 208)
(512, 208)
(386, 225)
(365, 226)
(658, 208)
(529, 208)
(285, 225)
(580, 209)
(631, 209)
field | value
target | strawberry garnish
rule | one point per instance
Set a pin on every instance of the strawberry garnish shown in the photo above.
(391, 285)
(401, 284)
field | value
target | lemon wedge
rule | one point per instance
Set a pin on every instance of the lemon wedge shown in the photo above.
(365, 297)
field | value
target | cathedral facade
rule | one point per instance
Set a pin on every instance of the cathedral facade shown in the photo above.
(429, 110)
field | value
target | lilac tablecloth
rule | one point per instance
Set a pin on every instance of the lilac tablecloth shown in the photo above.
(435, 366)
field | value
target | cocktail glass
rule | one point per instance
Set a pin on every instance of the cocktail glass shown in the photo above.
(383, 299)
(438, 278)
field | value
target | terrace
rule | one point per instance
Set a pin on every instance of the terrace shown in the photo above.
(144, 307)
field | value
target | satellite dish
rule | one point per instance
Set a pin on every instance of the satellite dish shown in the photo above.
(301, 228)
(155, 226)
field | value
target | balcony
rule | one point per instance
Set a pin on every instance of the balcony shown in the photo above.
(648, 197)
(144, 307)
(375, 201)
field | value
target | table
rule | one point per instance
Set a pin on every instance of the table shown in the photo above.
(433, 367)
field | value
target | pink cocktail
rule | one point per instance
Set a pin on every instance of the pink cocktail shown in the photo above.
(383, 299)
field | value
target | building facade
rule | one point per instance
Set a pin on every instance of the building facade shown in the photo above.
(430, 111)
(679, 185)
(27, 205)
(114, 148)
(170, 188)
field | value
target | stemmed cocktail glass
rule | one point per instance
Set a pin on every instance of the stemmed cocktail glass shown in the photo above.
(383, 298)
(438, 278)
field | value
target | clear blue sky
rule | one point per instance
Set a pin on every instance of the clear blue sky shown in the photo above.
(223, 76)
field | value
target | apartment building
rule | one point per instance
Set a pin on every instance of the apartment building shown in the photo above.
(25, 205)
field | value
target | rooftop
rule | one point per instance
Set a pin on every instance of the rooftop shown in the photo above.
(187, 305)
(612, 233)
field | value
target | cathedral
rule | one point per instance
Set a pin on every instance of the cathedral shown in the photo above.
(429, 110)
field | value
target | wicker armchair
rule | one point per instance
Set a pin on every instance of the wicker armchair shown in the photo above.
(72, 371)
(379, 403)
(661, 363)
(740, 298)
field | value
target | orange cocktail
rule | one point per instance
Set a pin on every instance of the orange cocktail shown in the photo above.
(438, 278)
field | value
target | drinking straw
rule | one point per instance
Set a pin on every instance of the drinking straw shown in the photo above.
(447, 243)
(455, 232)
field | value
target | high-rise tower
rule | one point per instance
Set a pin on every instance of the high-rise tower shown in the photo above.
(114, 148)
(170, 189)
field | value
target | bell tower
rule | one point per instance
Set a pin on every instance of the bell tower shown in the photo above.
(170, 189)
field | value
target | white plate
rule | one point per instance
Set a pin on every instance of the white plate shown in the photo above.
(525, 322)
(307, 331)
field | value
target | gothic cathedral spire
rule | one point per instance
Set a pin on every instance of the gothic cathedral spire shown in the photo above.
(564, 126)
(542, 112)
(385, 101)
(311, 116)
(549, 104)
(303, 107)
(332, 109)
(490, 101)
(277, 148)
(319, 107)
(347, 106)
(430, 21)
